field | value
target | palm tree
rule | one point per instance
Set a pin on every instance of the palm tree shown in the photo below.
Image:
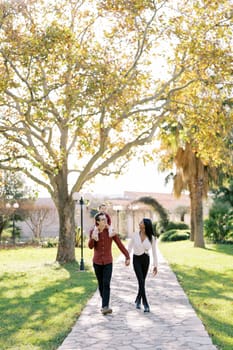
(195, 177)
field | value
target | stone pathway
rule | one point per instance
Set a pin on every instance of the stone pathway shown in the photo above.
(172, 323)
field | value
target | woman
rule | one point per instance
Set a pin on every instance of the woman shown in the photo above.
(141, 243)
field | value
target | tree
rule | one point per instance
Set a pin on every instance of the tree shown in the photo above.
(3, 222)
(196, 135)
(192, 175)
(195, 176)
(72, 103)
(158, 208)
(39, 216)
(182, 210)
(13, 191)
(79, 91)
(219, 225)
(12, 186)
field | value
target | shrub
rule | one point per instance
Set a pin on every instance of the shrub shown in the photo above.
(78, 237)
(175, 235)
(176, 226)
(219, 226)
(50, 243)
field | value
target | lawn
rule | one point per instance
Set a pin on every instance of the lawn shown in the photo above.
(206, 275)
(39, 299)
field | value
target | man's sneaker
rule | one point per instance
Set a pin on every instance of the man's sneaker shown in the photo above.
(106, 310)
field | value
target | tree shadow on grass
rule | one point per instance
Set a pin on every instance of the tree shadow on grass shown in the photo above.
(207, 292)
(40, 316)
(219, 330)
(222, 248)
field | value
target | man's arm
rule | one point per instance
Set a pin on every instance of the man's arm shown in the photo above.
(121, 246)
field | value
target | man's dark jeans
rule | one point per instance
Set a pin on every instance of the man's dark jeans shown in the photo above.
(104, 274)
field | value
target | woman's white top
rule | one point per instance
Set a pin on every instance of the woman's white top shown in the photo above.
(140, 247)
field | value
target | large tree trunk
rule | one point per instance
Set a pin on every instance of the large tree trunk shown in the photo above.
(66, 245)
(66, 209)
(192, 172)
(199, 232)
(192, 213)
(198, 212)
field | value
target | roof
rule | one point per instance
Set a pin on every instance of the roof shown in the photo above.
(167, 200)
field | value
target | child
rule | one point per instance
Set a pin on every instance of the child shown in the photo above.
(95, 234)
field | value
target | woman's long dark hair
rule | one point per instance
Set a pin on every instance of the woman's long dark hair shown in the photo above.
(148, 228)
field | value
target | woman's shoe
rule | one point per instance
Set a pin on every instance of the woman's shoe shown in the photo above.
(138, 303)
(146, 309)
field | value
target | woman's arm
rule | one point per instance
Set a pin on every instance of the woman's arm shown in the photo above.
(130, 246)
(121, 246)
(154, 252)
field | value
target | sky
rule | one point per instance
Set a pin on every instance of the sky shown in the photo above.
(138, 178)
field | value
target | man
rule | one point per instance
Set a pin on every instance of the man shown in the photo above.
(111, 231)
(102, 259)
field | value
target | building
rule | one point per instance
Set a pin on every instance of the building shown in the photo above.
(126, 213)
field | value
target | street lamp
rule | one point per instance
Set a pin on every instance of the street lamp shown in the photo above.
(15, 206)
(133, 208)
(117, 208)
(81, 203)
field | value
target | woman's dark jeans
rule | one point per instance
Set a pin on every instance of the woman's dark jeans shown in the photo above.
(104, 274)
(141, 265)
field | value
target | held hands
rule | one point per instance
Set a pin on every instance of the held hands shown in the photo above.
(127, 262)
(155, 270)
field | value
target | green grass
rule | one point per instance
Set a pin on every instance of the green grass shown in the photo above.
(206, 276)
(40, 300)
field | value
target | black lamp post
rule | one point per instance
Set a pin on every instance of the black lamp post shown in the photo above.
(118, 208)
(79, 199)
(81, 202)
(134, 208)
